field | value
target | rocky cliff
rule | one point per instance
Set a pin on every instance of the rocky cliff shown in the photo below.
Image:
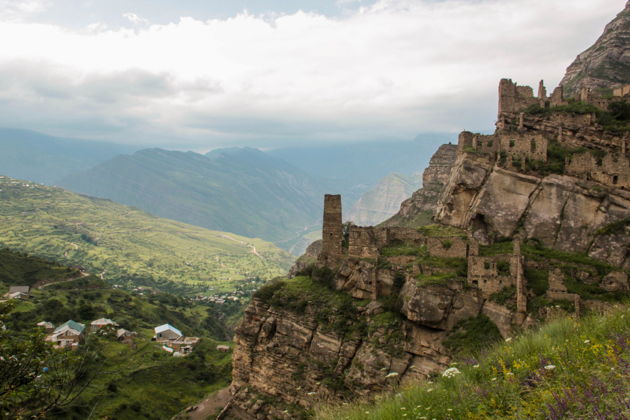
(383, 201)
(532, 221)
(418, 210)
(607, 63)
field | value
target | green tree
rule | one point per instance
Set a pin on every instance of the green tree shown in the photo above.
(35, 378)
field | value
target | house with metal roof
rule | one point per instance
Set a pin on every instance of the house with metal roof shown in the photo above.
(167, 332)
(102, 323)
(68, 334)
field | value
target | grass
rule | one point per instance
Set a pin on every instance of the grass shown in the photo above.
(566, 369)
(471, 336)
(126, 245)
(335, 311)
(403, 250)
(442, 231)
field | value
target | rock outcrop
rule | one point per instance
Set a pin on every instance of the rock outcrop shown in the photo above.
(418, 210)
(606, 64)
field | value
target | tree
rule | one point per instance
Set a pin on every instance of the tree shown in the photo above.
(35, 378)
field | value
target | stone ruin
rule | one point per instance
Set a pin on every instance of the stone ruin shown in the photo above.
(361, 275)
(523, 137)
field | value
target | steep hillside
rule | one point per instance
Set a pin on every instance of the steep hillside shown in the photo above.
(606, 64)
(243, 191)
(46, 159)
(419, 208)
(126, 245)
(567, 369)
(126, 379)
(383, 201)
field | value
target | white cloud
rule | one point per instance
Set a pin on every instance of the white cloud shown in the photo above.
(395, 68)
(16, 9)
(135, 19)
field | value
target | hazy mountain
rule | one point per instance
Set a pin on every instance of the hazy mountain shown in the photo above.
(355, 168)
(46, 159)
(244, 191)
(383, 201)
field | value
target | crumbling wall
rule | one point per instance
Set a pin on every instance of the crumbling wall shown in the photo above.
(611, 169)
(522, 146)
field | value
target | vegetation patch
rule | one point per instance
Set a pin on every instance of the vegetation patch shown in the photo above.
(567, 369)
(470, 336)
(436, 230)
(504, 296)
(333, 310)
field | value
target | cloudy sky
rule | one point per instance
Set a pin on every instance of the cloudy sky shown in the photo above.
(205, 73)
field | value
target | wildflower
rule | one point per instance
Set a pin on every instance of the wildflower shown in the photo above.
(449, 409)
(510, 374)
(429, 390)
(476, 366)
(402, 408)
(507, 340)
(587, 341)
(493, 379)
(392, 374)
(550, 367)
(451, 372)
(311, 393)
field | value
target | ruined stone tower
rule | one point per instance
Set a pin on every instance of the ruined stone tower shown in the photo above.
(332, 235)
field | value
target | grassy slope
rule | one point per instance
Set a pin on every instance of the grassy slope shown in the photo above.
(123, 242)
(567, 369)
(244, 191)
(129, 381)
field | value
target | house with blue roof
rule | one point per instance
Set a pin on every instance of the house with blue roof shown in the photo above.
(68, 334)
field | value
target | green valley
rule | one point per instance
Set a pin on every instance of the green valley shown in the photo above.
(123, 380)
(127, 246)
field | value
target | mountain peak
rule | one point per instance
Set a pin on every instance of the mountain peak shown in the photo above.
(606, 64)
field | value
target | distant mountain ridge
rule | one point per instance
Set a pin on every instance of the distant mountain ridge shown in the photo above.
(383, 201)
(244, 191)
(46, 159)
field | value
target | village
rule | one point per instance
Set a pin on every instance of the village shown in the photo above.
(72, 334)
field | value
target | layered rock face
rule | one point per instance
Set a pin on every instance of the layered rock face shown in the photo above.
(606, 64)
(419, 209)
(383, 201)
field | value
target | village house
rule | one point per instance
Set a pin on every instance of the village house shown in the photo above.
(125, 336)
(167, 332)
(68, 334)
(18, 292)
(102, 323)
(47, 326)
(173, 340)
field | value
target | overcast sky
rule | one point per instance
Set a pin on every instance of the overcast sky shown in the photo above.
(206, 73)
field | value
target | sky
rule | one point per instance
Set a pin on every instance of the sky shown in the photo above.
(197, 74)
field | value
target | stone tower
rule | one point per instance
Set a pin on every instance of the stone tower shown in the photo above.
(332, 235)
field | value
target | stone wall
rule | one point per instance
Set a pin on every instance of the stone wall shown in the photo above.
(612, 169)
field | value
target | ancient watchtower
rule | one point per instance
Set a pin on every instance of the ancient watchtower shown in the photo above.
(332, 235)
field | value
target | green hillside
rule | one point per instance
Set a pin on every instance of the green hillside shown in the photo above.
(124, 381)
(566, 370)
(244, 191)
(126, 245)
